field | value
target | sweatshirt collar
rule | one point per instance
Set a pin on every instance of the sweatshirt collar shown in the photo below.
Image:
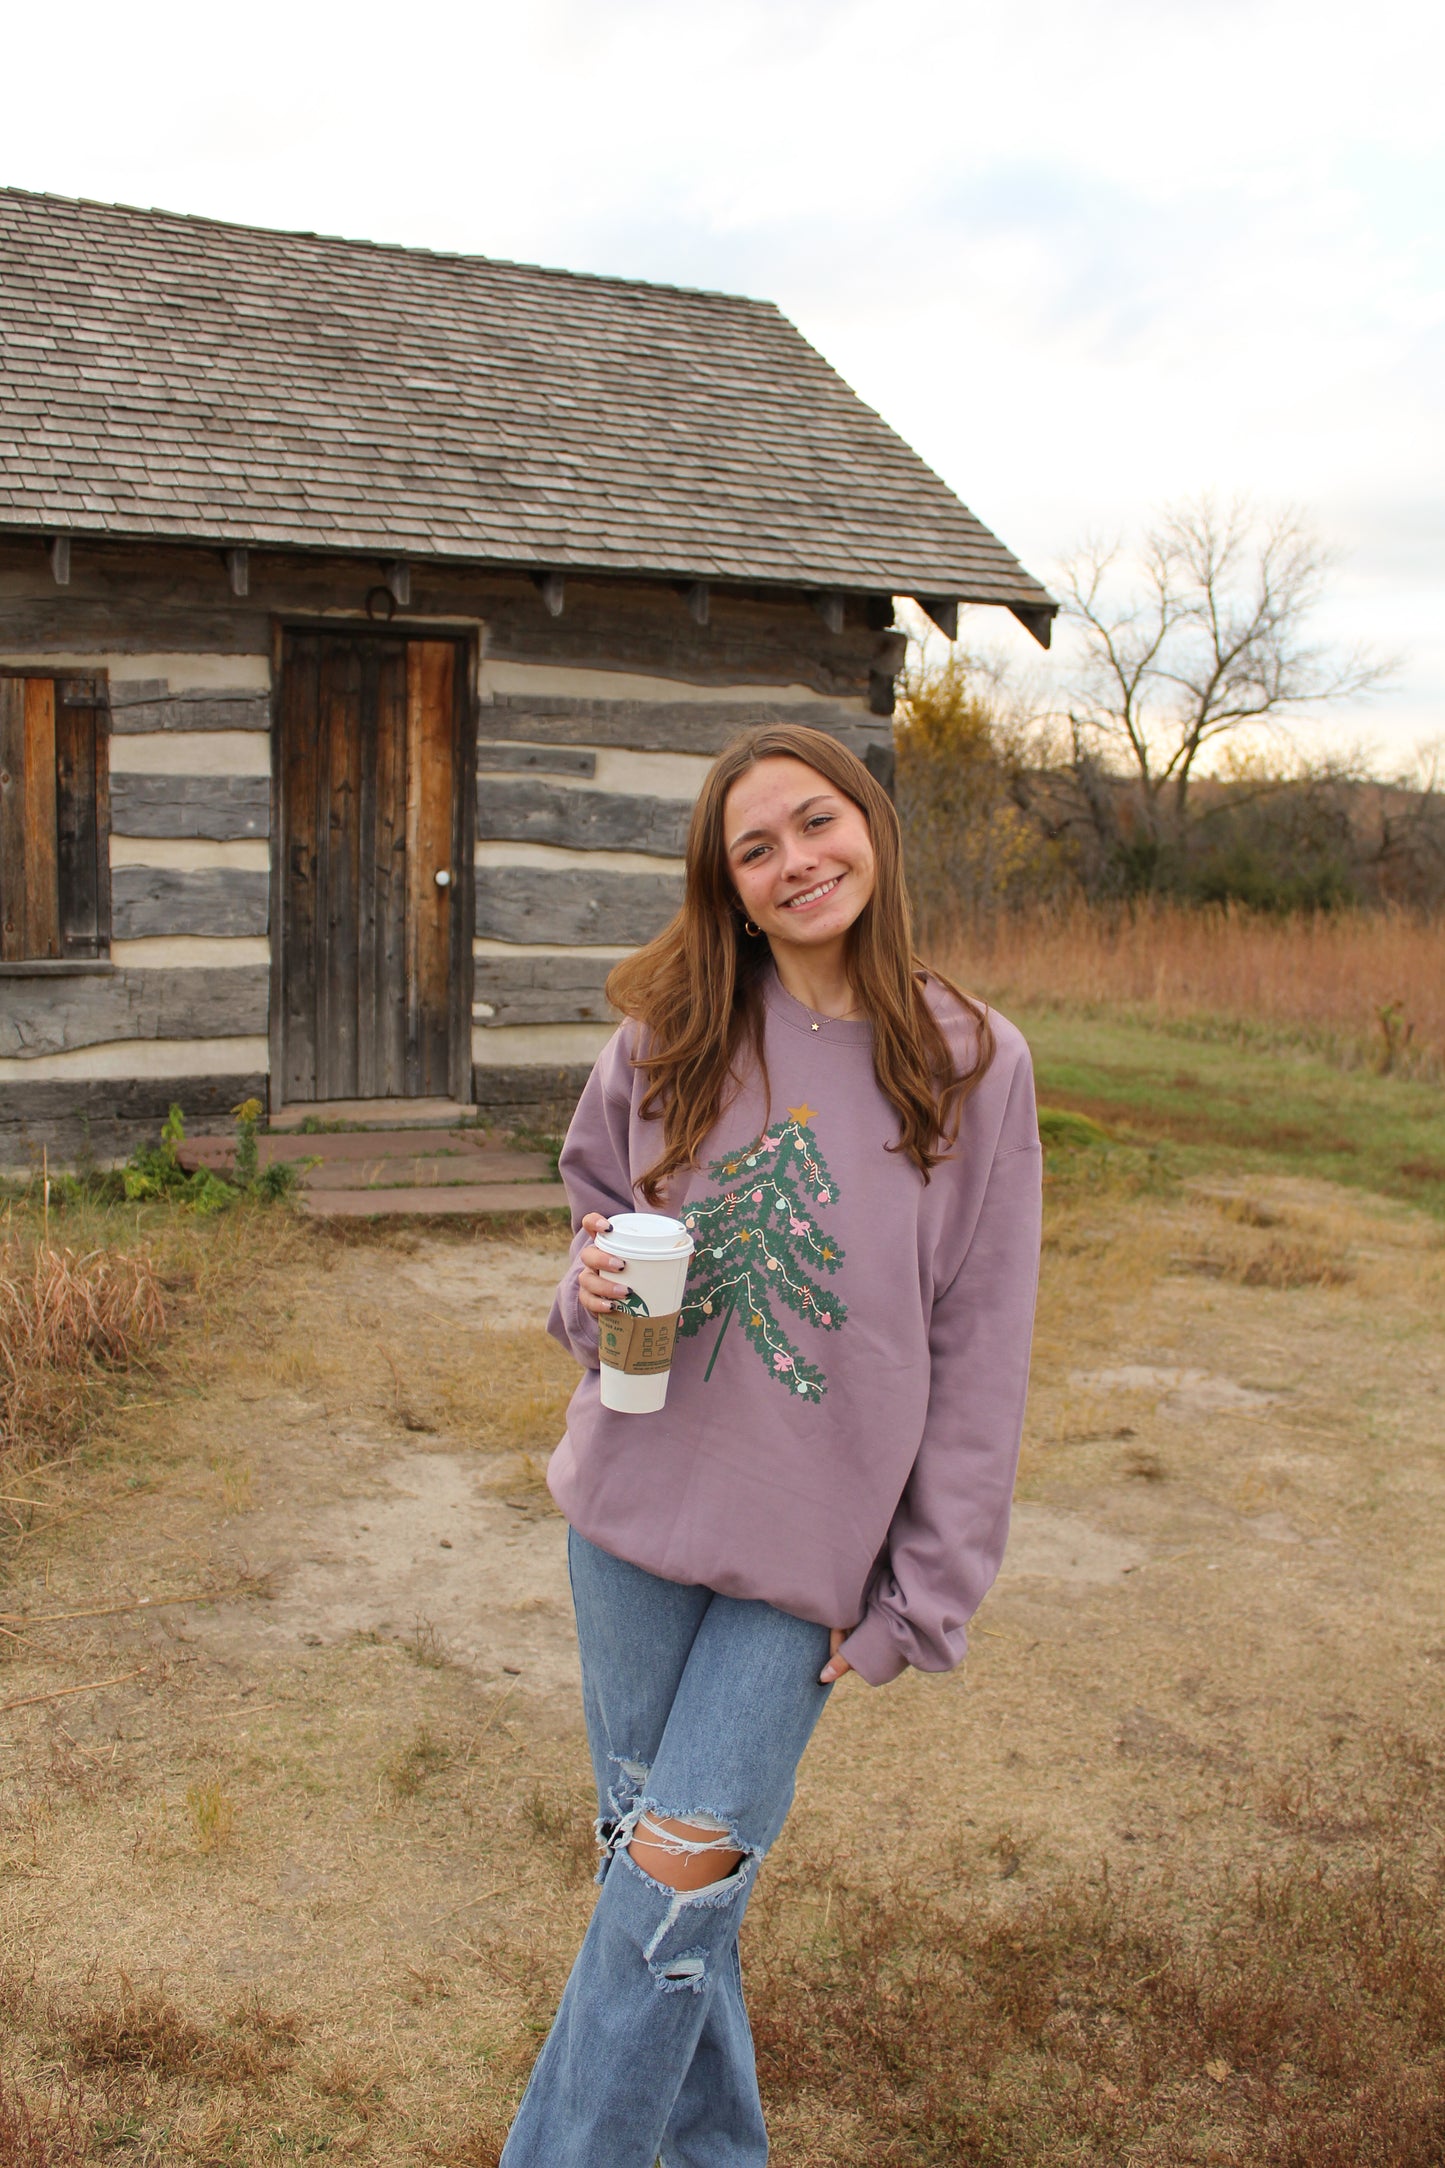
(827, 1030)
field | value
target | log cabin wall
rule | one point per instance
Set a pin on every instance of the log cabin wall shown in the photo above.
(594, 728)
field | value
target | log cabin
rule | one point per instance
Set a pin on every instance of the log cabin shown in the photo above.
(368, 618)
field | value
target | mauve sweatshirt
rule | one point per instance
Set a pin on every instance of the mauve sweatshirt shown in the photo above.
(847, 1393)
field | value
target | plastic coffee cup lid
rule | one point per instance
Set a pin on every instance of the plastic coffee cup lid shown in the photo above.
(645, 1234)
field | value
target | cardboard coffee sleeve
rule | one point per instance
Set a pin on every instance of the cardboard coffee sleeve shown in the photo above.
(639, 1345)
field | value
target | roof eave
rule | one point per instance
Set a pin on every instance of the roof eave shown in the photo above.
(1030, 602)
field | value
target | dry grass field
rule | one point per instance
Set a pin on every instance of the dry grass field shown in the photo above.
(294, 1834)
(1366, 987)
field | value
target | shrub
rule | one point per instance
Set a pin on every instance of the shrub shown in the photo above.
(155, 1170)
(63, 1318)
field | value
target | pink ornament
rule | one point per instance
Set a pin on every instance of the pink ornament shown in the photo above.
(757, 1196)
(822, 1196)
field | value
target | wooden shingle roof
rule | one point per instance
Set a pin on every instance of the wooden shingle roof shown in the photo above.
(182, 379)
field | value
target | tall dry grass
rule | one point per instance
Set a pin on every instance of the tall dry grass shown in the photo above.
(1366, 987)
(65, 1318)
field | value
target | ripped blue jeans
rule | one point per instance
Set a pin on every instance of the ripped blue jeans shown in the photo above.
(698, 1708)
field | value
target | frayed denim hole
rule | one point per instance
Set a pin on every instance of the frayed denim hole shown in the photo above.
(626, 1787)
(605, 1833)
(687, 1970)
(616, 1824)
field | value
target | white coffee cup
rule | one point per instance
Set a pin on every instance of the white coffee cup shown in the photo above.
(635, 1341)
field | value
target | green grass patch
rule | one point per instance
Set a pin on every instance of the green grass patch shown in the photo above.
(1209, 1104)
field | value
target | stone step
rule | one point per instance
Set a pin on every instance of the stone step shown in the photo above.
(470, 1169)
(455, 1202)
(350, 1144)
(391, 1113)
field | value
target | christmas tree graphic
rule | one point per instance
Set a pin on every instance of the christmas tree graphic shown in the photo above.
(757, 1244)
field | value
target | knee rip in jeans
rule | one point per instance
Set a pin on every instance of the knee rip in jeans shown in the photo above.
(708, 1833)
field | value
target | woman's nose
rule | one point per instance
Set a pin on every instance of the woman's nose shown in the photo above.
(799, 859)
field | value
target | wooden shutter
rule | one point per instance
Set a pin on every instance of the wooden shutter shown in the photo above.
(54, 820)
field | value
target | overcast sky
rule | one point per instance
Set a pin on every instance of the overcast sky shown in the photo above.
(1087, 259)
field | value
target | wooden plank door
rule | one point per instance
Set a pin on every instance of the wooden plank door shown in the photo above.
(373, 974)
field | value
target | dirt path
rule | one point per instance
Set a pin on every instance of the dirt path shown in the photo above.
(324, 1849)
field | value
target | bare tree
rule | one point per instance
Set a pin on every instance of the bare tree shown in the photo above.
(1209, 637)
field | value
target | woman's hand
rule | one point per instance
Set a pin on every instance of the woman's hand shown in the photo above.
(836, 1664)
(596, 1294)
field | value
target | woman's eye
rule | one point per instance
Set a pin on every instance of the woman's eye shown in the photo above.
(820, 820)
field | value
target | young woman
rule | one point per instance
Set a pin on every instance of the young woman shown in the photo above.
(852, 1143)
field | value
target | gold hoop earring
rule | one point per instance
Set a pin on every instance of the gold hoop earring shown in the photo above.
(750, 929)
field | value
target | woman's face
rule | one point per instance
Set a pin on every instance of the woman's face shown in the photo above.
(799, 853)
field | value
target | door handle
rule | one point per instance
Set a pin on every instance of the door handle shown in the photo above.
(443, 879)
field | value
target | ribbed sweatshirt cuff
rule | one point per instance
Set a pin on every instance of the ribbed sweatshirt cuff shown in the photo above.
(872, 1649)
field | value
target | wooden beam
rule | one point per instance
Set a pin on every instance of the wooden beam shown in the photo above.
(888, 659)
(540, 990)
(697, 602)
(523, 810)
(660, 726)
(548, 759)
(943, 609)
(151, 598)
(144, 704)
(134, 625)
(238, 571)
(52, 1015)
(398, 581)
(221, 808)
(1039, 621)
(553, 587)
(536, 903)
(748, 640)
(59, 547)
(830, 608)
(212, 900)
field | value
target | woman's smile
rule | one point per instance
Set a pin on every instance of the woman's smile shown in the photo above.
(811, 895)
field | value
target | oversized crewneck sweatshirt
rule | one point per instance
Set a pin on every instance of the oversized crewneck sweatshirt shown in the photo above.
(846, 1399)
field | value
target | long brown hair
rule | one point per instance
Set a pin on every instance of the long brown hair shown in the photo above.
(697, 988)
